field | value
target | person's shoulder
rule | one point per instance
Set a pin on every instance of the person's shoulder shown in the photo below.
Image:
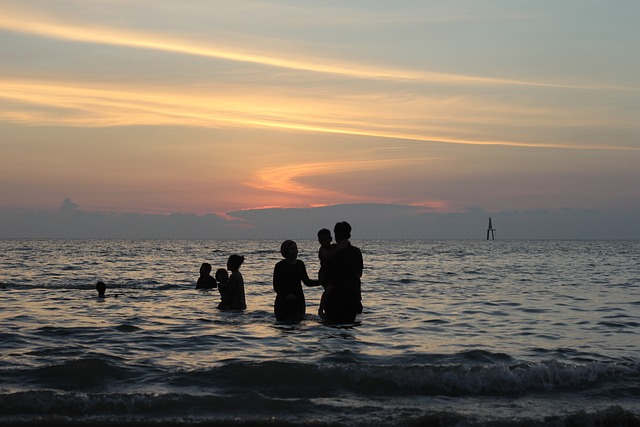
(354, 250)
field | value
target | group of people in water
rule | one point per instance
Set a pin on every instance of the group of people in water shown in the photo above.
(341, 268)
(340, 272)
(231, 287)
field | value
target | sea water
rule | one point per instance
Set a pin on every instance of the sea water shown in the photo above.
(460, 333)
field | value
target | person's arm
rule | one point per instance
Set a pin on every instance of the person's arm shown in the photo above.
(325, 253)
(277, 279)
(305, 277)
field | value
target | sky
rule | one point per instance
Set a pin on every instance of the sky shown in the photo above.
(396, 116)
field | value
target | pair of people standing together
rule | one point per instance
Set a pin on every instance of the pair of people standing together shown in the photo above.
(341, 268)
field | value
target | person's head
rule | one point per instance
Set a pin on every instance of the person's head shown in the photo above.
(342, 230)
(101, 288)
(324, 236)
(222, 275)
(205, 269)
(234, 262)
(289, 250)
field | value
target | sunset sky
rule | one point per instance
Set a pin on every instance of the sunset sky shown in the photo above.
(209, 107)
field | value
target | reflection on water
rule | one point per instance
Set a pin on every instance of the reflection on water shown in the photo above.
(420, 297)
(453, 328)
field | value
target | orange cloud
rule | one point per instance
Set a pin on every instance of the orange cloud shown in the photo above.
(284, 179)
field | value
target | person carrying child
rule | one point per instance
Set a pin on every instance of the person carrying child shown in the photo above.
(233, 298)
(344, 272)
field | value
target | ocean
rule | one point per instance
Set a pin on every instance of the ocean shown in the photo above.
(453, 333)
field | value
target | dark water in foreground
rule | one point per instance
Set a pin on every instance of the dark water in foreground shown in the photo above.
(454, 333)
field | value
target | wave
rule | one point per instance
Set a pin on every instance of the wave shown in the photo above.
(610, 416)
(475, 377)
(286, 379)
(81, 374)
(49, 409)
(472, 388)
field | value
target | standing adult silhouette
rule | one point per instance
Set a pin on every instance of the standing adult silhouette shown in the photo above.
(288, 275)
(344, 271)
(233, 298)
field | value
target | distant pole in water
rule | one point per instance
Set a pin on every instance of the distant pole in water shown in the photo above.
(491, 231)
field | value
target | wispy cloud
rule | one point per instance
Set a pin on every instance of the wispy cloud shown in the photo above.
(286, 179)
(48, 27)
(438, 121)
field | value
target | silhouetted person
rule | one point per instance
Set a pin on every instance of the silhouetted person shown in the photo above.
(288, 275)
(222, 277)
(344, 271)
(206, 281)
(101, 288)
(326, 251)
(233, 299)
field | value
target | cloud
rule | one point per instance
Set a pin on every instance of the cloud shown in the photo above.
(285, 179)
(439, 120)
(211, 108)
(44, 26)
